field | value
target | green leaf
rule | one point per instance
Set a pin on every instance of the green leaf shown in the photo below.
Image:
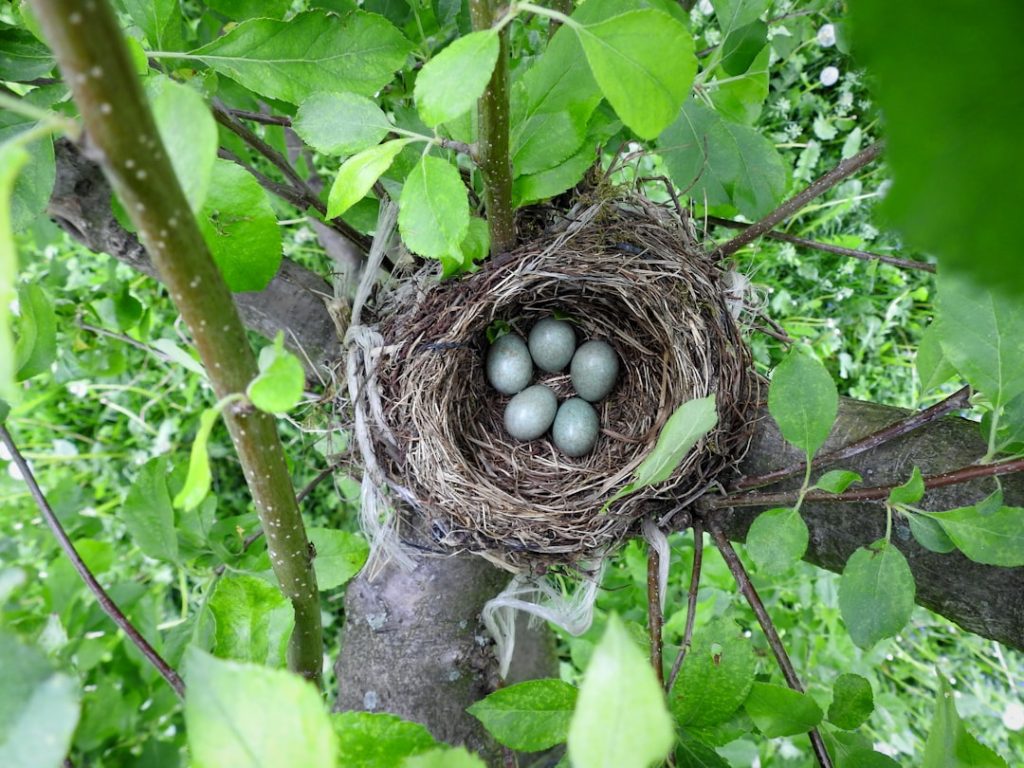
(966, 213)
(340, 123)
(780, 711)
(160, 21)
(949, 744)
(837, 480)
(929, 534)
(197, 482)
(876, 593)
(24, 58)
(996, 538)
(311, 52)
(851, 750)
(546, 140)
(148, 514)
(247, 9)
(693, 753)
(240, 228)
(982, 335)
(339, 556)
(687, 425)
(530, 716)
(373, 739)
(451, 82)
(36, 347)
(33, 184)
(933, 367)
(644, 62)
(777, 539)
(278, 386)
(853, 701)
(621, 720)
(188, 132)
(248, 716)
(12, 158)
(715, 677)
(732, 14)
(444, 757)
(475, 246)
(359, 173)
(38, 708)
(910, 492)
(253, 620)
(433, 214)
(742, 46)
(802, 399)
(741, 99)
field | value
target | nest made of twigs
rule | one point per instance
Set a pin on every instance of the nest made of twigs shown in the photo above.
(625, 271)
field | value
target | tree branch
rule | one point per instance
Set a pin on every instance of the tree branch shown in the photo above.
(95, 62)
(846, 168)
(655, 619)
(106, 603)
(691, 602)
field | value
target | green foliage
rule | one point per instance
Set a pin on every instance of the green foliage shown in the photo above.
(36, 347)
(359, 173)
(950, 745)
(444, 757)
(990, 536)
(852, 701)
(148, 514)
(837, 480)
(252, 620)
(340, 123)
(529, 716)
(715, 678)
(197, 482)
(779, 711)
(434, 210)
(777, 539)
(340, 555)
(372, 739)
(12, 158)
(450, 84)
(876, 593)
(278, 386)
(910, 492)
(621, 719)
(803, 401)
(248, 716)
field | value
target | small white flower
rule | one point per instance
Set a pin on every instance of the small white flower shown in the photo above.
(829, 76)
(827, 35)
(705, 7)
(14, 472)
(1013, 716)
(79, 388)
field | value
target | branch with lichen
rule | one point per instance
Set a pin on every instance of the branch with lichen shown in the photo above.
(123, 137)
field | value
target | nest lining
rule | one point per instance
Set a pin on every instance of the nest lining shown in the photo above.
(624, 271)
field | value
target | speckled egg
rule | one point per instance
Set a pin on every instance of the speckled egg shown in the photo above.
(509, 366)
(594, 370)
(552, 343)
(529, 414)
(575, 429)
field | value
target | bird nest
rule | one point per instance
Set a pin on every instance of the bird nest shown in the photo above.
(624, 271)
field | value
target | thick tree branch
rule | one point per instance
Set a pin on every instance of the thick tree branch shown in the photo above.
(95, 62)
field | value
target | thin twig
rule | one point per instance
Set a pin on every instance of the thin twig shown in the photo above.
(774, 641)
(691, 603)
(846, 168)
(827, 247)
(286, 192)
(957, 400)
(260, 117)
(655, 619)
(872, 493)
(109, 606)
(123, 337)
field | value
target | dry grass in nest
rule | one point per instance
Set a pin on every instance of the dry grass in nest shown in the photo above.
(624, 271)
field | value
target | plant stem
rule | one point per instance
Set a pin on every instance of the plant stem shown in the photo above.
(691, 603)
(95, 63)
(768, 627)
(846, 168)
(493, 143)
(109, 606)
(655, 620)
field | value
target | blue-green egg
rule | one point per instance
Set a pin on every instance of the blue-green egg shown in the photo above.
(575, 429)
(552, 343)
(594, 370)
(529, 414)
(509, 366)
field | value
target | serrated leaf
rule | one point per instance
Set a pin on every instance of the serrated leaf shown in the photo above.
(12, 158)
(741, 99)
(876, 593)
(39, 708)
(278, 386)
(853, 701)
(929, 534)
(910, 492)
(450, 83)
(742, 46)
(148, 514)
(693, 753)
(777, 539)
(715, 677)
(248, 716)
(621, 720)
(837, 480)
(340, 123)
(780, 711)
(996, 538)
(311, 52)
(188, 132)
(359, 173)
(644, 62)
(197, 481)
(373, 739)
(933, 367)
(475, 246)
(247, 9)
(160, 21)
(253, 620)
(530, 716)
(33, 181)
(732, 14)
(802, 399)
(24, 58)
(240, 228)
(36, 347)
(433, 215)
(339, 556)
(949, 744)
(546, 140)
